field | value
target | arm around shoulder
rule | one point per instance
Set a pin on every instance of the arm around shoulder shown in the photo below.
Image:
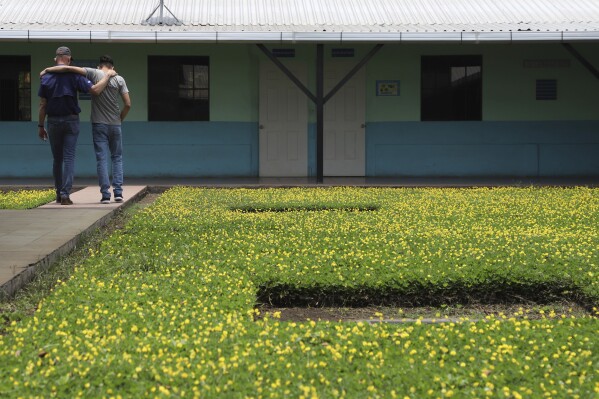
(99, 87)
(64, 69)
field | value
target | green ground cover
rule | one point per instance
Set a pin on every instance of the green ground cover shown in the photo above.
(25, 199)
(166, 306)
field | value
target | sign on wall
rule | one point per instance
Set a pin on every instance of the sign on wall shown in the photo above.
(387, 87)
(542, 63)
(342, 52)
(283, 52)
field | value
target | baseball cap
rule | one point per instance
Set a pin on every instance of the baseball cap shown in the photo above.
(62, 50)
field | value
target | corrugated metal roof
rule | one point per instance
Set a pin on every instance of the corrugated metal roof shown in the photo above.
(297, 19)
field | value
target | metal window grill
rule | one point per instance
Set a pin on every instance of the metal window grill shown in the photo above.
(546, 89)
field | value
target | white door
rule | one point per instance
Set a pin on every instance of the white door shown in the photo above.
(344, 123)
(283, 122)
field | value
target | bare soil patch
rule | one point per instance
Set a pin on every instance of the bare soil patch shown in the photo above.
(407, 314)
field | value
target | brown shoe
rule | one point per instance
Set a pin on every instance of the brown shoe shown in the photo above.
(66, 201)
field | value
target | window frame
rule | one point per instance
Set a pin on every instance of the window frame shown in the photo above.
(165, 100)
(16, 69)
(444, 98)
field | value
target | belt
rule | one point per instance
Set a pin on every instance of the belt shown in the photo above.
(63, 116)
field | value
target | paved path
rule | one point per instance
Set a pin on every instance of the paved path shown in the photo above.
(30, 240)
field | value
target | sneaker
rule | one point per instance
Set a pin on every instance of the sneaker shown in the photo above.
(65, 201)
(118, 198)
(105, 200)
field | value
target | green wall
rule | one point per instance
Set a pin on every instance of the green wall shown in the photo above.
(508, 87)
(511, 96)
(233, 73)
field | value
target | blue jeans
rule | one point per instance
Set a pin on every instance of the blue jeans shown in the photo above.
(63, 132)
(108, 140)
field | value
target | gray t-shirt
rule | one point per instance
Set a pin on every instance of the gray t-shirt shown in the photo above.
(105, 107)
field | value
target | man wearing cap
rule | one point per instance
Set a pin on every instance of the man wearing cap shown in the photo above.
(106, 117)
(58, 101)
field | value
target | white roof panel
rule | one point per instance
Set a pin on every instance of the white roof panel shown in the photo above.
(360, 19)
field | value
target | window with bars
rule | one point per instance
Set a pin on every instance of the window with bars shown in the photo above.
(15, 88)
(546, 89)
(178, 88)
(451, 88)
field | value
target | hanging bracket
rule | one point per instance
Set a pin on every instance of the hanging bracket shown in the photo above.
(581, 59)
(161, 19)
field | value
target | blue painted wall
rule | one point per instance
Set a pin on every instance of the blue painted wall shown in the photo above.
(191, 148)
(539, 148)
(150, 149)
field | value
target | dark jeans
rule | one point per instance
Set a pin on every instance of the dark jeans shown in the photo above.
(63, 132)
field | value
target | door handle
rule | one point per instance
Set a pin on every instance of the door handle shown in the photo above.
(261, 127)
(363, 125)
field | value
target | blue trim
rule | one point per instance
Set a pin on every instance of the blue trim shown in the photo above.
(191, 149)
(186, 149)
(552, 148)
(197, 149)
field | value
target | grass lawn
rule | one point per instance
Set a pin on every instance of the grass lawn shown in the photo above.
(167, 306)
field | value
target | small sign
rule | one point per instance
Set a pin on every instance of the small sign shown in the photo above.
(283, 52)
(558, 63)
(342, 52)
(387, 87)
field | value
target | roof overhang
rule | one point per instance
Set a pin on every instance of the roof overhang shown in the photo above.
(132, 36)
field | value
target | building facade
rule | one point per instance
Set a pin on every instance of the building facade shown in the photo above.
(464, 99)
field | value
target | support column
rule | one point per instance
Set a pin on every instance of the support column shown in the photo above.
(319, 113)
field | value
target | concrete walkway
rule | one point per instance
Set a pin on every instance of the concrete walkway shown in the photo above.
(31, 240)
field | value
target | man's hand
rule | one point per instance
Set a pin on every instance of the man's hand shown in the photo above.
(41, 132)
(110, 73)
